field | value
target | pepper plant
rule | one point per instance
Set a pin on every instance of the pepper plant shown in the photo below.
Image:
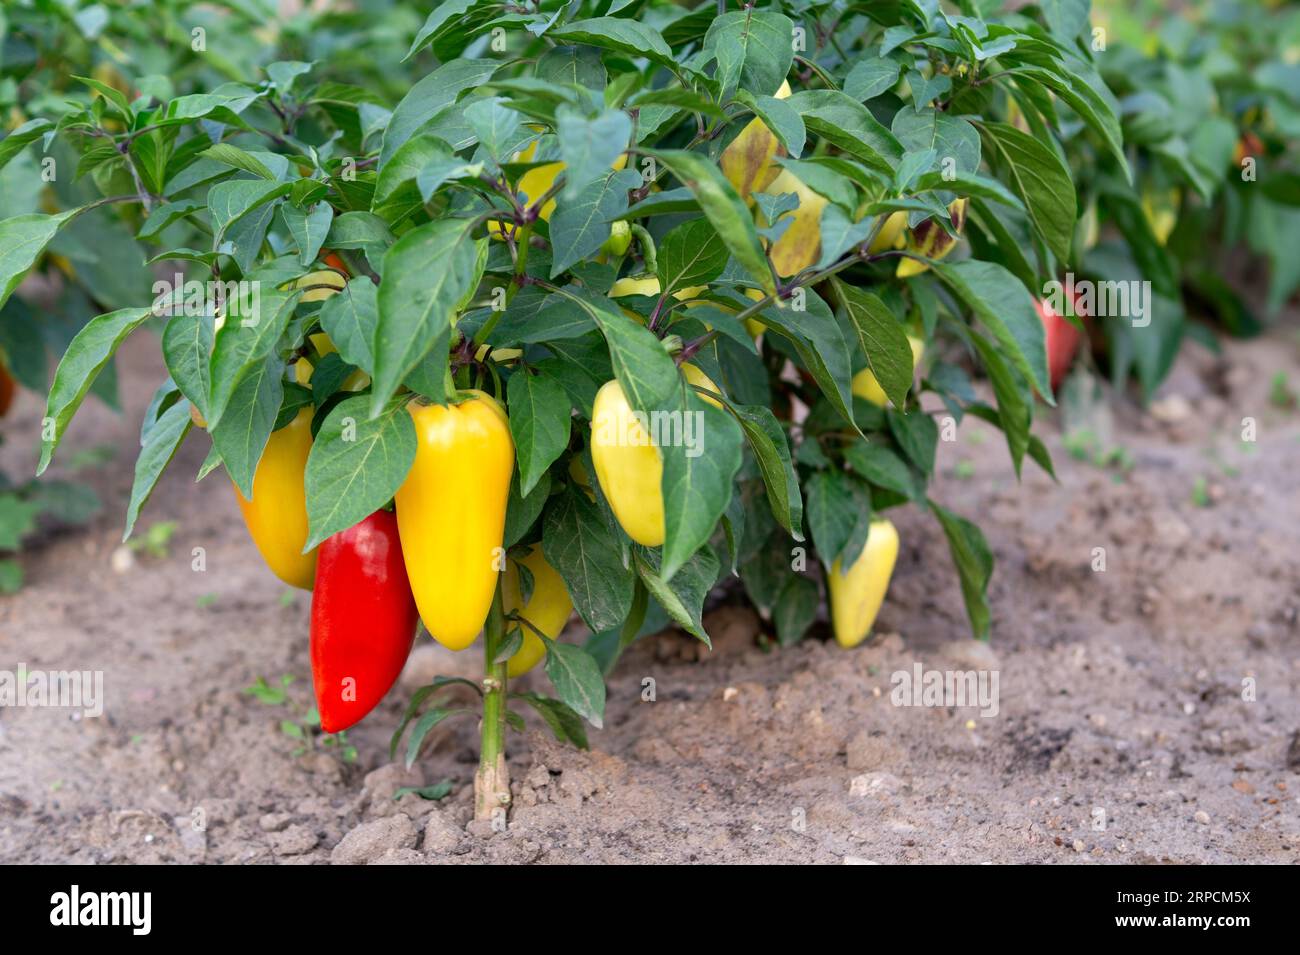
(610, 304)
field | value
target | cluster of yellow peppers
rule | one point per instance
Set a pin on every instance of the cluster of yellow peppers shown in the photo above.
(451, 507)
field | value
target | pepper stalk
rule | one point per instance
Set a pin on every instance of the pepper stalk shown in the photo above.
(492, 781)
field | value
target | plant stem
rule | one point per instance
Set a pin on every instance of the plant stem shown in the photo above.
(492, 782)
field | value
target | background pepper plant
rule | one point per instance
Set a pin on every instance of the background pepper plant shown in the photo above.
(432, 299)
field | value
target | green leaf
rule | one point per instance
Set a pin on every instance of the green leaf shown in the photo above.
(951, 137)
(771, 450)
(165, 214)
(917, 434)
(683, 598)
(423, 725)
(1014, 409)
(819, 341)
(85, 358)
(646, 373)
(350, 319)
(698, 479)
(579, 228)
(522, 512)
(356, 464)
(578, 543)
(1037, 175)
(22, 240)
(795, 609)
(241, 435)
(11, 576)
(974, 561)
(17, 519)
(405, 166)
(871, 76)
(691, 254)
(246, 340)
(1006, 309)
(540, 414)
(28, 132)
(589, 147)
(229, 155)
(187, 349)
(882, 338)
(839, 514)
(577, 679)
(560, 717)
(753, 50)
(308, 229)
(161, 443)
(882, 467)
(429, 97)
(444, 18)
(724, 208)
(632, 37)
(428, 270)
(845, 123)
(228, 202)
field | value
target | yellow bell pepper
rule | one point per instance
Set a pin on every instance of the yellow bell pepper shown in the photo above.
(451, 513)
(856, 594)
(277, 514)
(628, 465)
(547, 608)
(1161, 211)
(865, 385)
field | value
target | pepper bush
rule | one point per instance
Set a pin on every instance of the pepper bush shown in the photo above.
(730, 192)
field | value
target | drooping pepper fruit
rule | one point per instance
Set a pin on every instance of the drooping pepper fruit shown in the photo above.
(857, 593)
(363, 620)
(628, 465)
(277, 514)
(451, 511)
(547, 608)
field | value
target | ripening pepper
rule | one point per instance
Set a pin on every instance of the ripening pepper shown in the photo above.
(363, 620)
(747, 160)
(865, 385)
(628, 465)
(451, 511)
(857, 593)
(1061, 338)
(931, 240)
(324, 345)
(6, 389)
(548, 608)
(800, 245)
(320, 285)
(277, 514)
(335, 261)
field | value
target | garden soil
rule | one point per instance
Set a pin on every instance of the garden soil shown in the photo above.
(1148, 712)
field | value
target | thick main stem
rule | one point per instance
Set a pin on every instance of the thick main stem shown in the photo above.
(492, 781)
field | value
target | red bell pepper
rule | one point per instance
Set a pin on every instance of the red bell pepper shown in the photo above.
(363, 620)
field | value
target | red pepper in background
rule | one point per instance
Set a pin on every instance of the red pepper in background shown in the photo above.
(1062, 340)
(363, 620)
